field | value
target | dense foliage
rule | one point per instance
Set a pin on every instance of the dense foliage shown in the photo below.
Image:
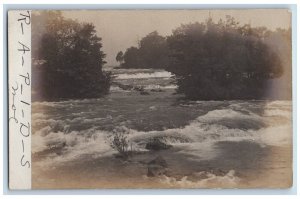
(217, 61)
(67, 59)
(151, 53)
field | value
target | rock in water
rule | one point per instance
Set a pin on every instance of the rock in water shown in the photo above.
(139, 88)
(156, 144)
(124, 86)
(157, 167)
(156, 90)
(144, 93)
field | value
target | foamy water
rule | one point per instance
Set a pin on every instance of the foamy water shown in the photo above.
(160, 74)
(69, 130)
(229, 180)
(196, 137)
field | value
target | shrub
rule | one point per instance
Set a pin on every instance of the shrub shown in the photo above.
(121, 144)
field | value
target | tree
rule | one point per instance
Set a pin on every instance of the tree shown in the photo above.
(120, 57)
(217, 61)
(132, 58)
(151, 53)
(69, 59)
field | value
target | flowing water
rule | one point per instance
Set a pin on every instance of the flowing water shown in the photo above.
(215, 143)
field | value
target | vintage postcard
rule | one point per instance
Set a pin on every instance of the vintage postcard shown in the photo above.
(150, 99)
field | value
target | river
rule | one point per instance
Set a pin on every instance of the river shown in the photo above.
(215, 144)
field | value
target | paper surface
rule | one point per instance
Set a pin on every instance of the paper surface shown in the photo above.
(19, 42)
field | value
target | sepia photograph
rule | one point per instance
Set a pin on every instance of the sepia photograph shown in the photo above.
(161, 99)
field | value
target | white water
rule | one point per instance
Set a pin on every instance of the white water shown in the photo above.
(159, 74)
(195, 138)
(210, 180)
(69, 130)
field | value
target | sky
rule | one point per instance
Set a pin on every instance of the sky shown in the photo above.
(121, 29)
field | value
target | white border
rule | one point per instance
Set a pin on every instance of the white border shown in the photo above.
(228, 2)
(19, 95)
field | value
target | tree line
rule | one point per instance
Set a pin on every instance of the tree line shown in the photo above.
(216, 60)
(151, 53)
(211, 60)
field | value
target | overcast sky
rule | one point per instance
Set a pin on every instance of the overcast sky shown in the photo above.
(120, 29)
